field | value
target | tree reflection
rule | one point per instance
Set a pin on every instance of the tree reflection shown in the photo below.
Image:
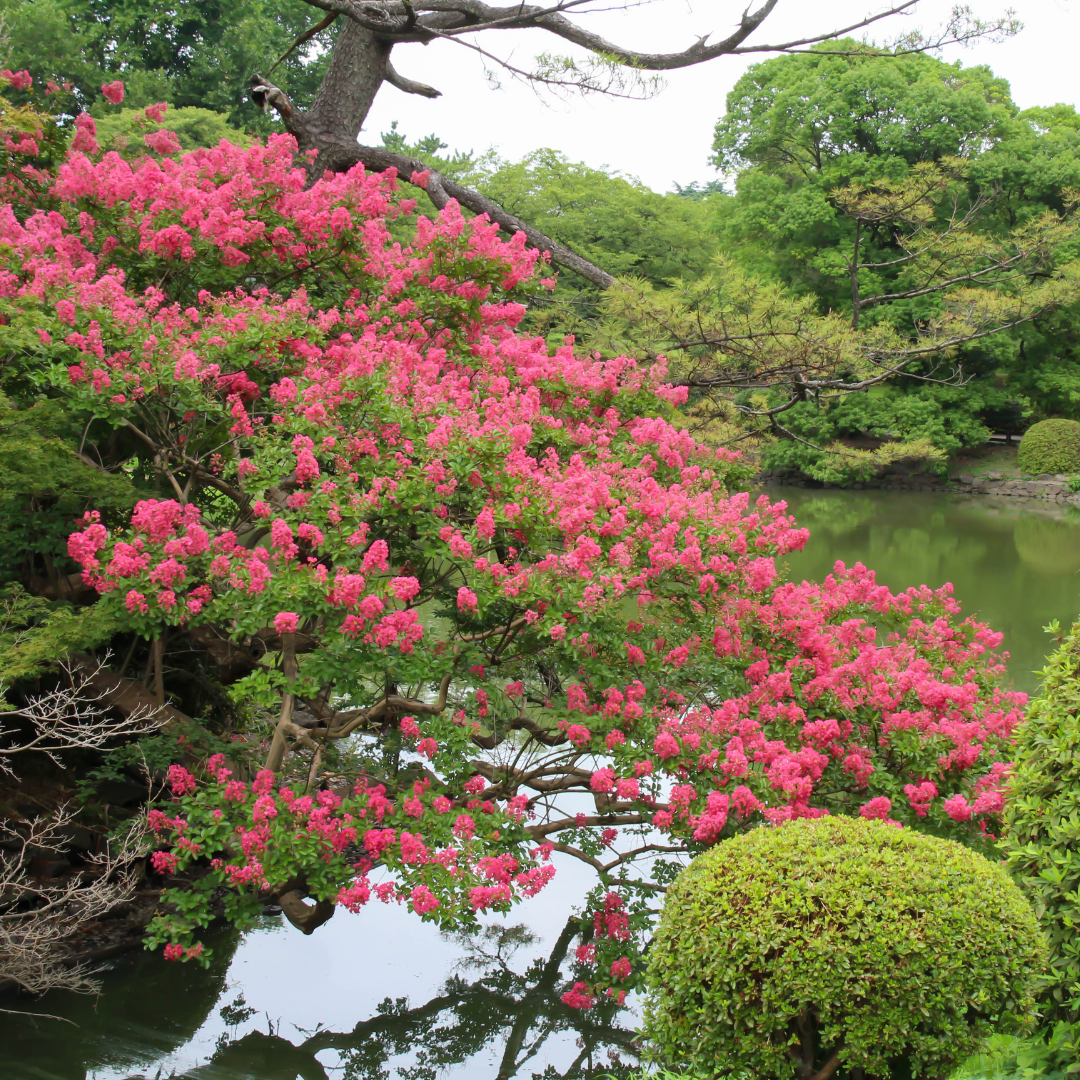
(521, 1012)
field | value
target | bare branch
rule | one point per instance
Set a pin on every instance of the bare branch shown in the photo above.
(39, 918)
(68, 718)
(409, 86)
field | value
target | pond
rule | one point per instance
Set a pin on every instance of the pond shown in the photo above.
(1014, 563)
(381, 996)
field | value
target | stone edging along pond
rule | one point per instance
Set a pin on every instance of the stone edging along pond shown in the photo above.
(1051, 487)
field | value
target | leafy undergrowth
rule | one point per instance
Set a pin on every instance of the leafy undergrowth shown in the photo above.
(1006, 1058)
(1009, 1058)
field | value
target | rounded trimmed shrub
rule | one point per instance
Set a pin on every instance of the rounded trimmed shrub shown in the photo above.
(828, 945)
(1050, 446)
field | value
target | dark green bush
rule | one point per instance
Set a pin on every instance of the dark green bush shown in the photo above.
(891, 951)
(1050, 446)
(1042, 840)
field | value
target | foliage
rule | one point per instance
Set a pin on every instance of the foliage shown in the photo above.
(45, 483)
(126, 129)
(150, 757)
(748, 348)
(35, 632)
(919, 426)
(1051, 446)
(1042, 839)
(889, 189)
(611, 219)
(197, 53)
(784, 951)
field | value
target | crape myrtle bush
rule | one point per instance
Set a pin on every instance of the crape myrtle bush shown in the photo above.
(839, 944)
(1042, 838)
(529, 599)
(1050, 446)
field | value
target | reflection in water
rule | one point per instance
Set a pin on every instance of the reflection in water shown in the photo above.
(493, 1018)
(144, 1014)
(1047, 545)
(518, 1011)
(1014, 562)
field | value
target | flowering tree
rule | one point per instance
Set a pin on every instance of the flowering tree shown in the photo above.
(481, 601)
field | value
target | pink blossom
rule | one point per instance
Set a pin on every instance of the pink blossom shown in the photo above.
(602, 781)
(579, 735)
(20, 80)
(164, 862)
(876, 808)
(163, 141)
(286, 622)
(376, 557)
(85, 139)
(485, 524)
(666, 745)
(579, 997)
(113, 92)
(958, 808)
(180, 780)
(136, 602)
(405, 588)
(423, 900)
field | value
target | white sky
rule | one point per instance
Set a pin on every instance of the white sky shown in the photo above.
(668, 138)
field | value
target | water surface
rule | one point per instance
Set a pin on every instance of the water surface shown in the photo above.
(1014, 563)
(381, 996)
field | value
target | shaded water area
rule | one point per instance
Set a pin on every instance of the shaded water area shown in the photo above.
(1014, 563)
(381, 996)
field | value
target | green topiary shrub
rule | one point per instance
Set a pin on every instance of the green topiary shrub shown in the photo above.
(1050, 446)
(1042, 839)
(826, 946)
(125, 130)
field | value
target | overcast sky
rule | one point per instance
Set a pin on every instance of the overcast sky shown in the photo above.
(667, 139)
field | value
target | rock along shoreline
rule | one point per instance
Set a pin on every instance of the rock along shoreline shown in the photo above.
(1053, 488)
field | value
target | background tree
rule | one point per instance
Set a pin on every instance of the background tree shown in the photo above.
(907, 198)
(191, 54)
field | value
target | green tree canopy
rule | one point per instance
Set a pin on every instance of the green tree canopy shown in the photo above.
(799, 127)
(188, 53)
(885, 188)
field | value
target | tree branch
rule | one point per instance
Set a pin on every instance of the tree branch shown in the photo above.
(409, 86)
(441, 190)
